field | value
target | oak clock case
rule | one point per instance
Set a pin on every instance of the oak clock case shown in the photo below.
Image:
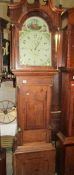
(34, 68)
(34, 65)
(33, 60)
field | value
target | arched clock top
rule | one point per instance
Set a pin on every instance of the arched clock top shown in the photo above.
(35, 23)
(40, 14)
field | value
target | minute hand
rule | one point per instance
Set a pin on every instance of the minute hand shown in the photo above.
(38, 43)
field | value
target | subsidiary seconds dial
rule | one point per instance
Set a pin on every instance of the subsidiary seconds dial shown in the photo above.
(35, 44)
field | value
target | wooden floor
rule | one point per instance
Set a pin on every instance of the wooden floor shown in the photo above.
(9, 162)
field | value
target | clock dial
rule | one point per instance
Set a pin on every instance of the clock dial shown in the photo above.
(35, 43)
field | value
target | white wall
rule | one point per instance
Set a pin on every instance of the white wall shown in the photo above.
(3, 10)
(7, 91)
(65, 3)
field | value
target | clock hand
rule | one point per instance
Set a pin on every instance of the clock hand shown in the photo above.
(38, 43)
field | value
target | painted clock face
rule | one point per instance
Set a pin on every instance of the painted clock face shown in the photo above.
(35, 43)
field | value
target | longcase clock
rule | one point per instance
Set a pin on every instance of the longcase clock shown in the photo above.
(34, 64)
